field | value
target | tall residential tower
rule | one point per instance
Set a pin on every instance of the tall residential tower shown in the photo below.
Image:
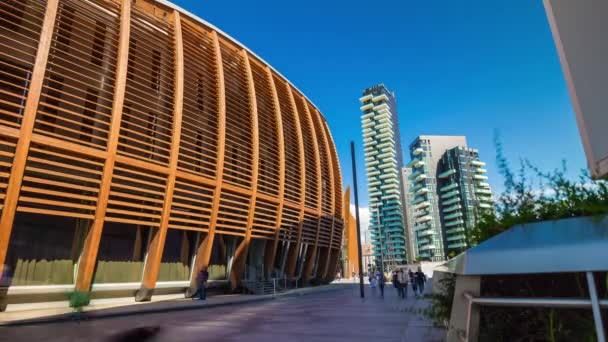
(425, 152)
(383, 161)
(463, 195)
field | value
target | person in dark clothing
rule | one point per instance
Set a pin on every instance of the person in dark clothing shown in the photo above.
(403, 280)
(380, 277)
(201, 285)
(396, 283)
(420, 280)
(413, 281)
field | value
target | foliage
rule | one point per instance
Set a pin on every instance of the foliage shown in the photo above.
(531, 195)
(79, 299)
(555, 197)
(441, 301)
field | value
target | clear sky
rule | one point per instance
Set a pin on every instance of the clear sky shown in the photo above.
(457, 68)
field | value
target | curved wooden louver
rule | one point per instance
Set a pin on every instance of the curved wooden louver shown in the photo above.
(238, 150)
(293, 172)
(88, 96)
(76, 100)
(147, 119)
(312, 177)
(60, 182)
(198, 146)
(20, 25)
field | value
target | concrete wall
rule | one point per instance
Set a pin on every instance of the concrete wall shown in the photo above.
(579, 30)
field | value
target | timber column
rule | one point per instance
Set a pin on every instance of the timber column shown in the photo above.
(203, 253)
(88, 257)
(157, 244)
(240, 256)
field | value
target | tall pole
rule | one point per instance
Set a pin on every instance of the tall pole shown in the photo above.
(352, 152)
(380, 237)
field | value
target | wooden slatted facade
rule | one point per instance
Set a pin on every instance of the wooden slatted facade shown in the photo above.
(133, 113)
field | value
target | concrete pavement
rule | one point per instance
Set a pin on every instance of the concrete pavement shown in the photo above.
(337, 315)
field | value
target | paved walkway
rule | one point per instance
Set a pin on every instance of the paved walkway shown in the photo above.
(337, 315)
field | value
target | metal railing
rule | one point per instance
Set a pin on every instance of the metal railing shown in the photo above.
(565, 303)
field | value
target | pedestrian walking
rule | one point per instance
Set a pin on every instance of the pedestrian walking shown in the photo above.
(338, 277)
(420, 279)
(201, 285)
(413, 282)
(403, 280)
(395, 281)
(380, 277)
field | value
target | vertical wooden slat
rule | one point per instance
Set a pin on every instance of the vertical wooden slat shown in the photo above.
(309, 264)
(88, 257)
(270, 261)
(157, 243)
(240, 256)
(332, 191)
(27, 126)
(204, 255)
(333, 262)
(293, 255)
(350, 233)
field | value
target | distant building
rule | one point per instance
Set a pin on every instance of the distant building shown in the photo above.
(383, 161)
(463, 194)
(408, 213)
(426, 151)
(579, 30)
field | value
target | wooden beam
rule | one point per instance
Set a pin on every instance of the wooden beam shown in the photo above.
(156, 247)
(338, 212)
(240, 257)
(332, 183)
(295, 247)
(27, 126)
(204, 254)
(309, 264)
(88, 257)
(271, 256)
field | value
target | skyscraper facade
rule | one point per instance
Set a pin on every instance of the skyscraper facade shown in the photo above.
(412, 248)
(425, 153)
(463, 194)
(383, 161)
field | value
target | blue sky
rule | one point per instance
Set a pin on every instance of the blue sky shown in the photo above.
(457, 68)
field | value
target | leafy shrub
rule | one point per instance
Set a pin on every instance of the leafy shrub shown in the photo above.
(531, 195)
(79, 299)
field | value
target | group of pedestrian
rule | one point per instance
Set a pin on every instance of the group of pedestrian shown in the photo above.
(377, 280)
(401, 278)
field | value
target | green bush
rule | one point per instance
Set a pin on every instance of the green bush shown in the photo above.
(555, 197)
(79, 299)
(441, 301)
(531, 195)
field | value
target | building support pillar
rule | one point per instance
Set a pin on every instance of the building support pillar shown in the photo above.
(157, 244)
(204, 252)
(240, 257)
(309, 264)
(270, 256)
(88, 256)
(294, 248)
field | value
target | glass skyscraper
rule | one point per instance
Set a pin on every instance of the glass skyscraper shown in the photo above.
(463, 194)
(383, 161)
(425, 151)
